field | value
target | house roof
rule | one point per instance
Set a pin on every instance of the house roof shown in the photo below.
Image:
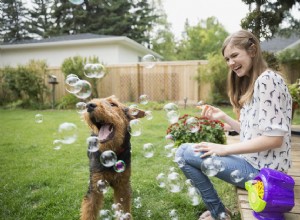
(77, 39)
(58, 38)
(280, 43)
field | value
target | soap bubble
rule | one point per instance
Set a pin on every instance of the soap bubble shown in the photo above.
(148, 150)
(85, 91)
(236, 176)
(169, 138)
(137, 202)
(144, 99)
(223, 216)
(193, 195)
(76, 2)
(57, 144)
(149, 61)
(133, 109)
(174, 182)
(208, 167)
(180, 161)
(148, 115)
(200, 103)
(71, 83)
(81, 107)
(135, 127)
(125, 216)
(94, 70)
(173, 116)
(161, 179)
(170, 107)
(173, 214)
(108, 158)
(192, 124)
(68, 132)
(39, 118)
(120, 166)
(102, 186)
(168, 149)
(93, 143)
(105, 214)
(219, 164)
(149, 213)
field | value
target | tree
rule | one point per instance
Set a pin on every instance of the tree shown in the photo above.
(131, 18)
(201, 40)
(13, 21)
(41, 21)
(163, 40)
(266, 17)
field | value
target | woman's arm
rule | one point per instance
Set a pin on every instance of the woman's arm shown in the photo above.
(258, 144)
(214, 113)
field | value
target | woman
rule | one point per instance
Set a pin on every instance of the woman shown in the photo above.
(261, 99)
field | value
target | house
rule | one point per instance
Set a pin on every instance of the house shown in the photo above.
(278, 43)
(109, 50)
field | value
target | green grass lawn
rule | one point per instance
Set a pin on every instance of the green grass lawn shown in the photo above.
(38, 182)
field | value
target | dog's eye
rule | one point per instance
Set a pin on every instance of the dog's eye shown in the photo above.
(113, 104)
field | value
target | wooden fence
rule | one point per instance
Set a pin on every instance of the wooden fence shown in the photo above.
(166, 81)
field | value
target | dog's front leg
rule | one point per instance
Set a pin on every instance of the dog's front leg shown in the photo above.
(123, 193)
(90, 205)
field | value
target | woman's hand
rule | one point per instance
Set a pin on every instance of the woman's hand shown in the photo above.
(210, 149)
(212, 112)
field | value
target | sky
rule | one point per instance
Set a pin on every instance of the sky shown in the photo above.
(228, 12)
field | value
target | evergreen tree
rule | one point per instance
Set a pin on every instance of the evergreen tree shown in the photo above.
(131, 18)
(41, 21)
(13, 20)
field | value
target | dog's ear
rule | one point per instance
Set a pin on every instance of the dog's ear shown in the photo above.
(138, 113)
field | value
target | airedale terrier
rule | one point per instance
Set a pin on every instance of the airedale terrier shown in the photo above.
(109, 120)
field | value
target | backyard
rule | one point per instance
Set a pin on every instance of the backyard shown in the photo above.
(40, 182)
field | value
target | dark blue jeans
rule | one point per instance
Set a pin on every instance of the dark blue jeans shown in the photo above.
(192, 170)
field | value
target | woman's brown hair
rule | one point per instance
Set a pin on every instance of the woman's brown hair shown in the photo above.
(240, 89)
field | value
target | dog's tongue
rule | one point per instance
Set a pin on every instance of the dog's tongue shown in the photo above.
(104, 132)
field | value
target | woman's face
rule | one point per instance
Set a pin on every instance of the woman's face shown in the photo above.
(238, 60)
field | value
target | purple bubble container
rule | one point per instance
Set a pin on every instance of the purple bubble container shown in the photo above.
(278, 196)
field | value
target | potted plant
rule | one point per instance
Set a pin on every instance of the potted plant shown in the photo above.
(207, 130)
(294, 90)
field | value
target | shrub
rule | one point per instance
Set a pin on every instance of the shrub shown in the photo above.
(209, 130)
(215, 72)
(24, 85)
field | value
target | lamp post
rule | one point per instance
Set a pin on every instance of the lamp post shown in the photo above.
(53, 81)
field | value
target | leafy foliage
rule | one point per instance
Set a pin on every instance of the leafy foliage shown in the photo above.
(24, 83)
(294, 90)
(201, 40)
(133, 19)
(215, 72)
(210, 130)
(265, 18)
(289, 55)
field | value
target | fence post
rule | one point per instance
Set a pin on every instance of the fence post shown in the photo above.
(138, 81)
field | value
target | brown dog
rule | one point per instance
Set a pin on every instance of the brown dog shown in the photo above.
(110, 122)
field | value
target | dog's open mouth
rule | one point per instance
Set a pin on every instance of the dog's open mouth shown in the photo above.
(106, 132)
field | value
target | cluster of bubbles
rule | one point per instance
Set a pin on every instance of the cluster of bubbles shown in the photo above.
(116, 212)
(82, 89)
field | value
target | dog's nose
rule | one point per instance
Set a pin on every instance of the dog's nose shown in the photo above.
(91, 107)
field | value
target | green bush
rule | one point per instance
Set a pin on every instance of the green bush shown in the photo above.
(215, 72)
(289, 55)
(24, 86)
